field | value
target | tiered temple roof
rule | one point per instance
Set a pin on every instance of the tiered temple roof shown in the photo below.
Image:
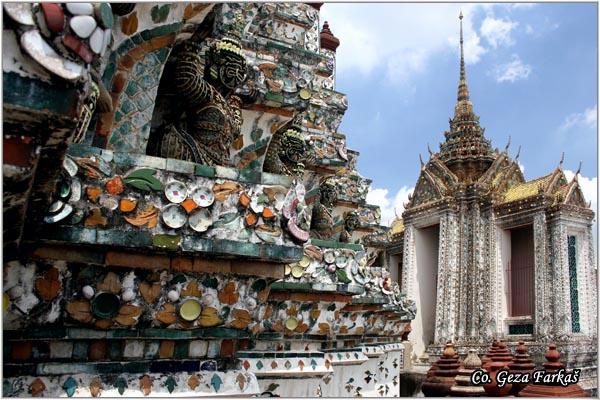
(466, 151)
(466, 163)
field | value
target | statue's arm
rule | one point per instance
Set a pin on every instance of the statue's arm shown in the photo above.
(189, 74)
(236, 108)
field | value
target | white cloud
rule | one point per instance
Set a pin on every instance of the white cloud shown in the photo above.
(512, 71)
(529, 29)
(586, 119)
(497, 31)
(389, 207)
(392, 36)
(521, 5)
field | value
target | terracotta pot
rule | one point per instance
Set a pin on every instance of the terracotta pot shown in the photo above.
(440, 377)
(492, 389)
(521, 364)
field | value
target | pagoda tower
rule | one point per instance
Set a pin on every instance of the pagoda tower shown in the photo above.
(466, 152)
(488, 255)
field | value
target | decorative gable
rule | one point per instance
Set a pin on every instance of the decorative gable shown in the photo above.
(572, 194)
(427, 189)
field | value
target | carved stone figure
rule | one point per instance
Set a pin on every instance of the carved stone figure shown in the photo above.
(350, 224)
(286, 149)
(213, 116)
(321, 226)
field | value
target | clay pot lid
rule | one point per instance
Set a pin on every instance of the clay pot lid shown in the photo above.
(328, 41)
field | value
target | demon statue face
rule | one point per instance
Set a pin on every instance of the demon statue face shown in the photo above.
(212, 116)
(322, 218)
(226, 67)
(350, 224)
(286, 150)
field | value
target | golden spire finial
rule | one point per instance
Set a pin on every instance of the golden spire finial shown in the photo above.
(463, 90)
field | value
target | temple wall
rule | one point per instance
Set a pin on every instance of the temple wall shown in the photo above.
(542, 276)
(158, 276)
(561, 297)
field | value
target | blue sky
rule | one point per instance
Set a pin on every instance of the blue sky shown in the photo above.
(531, 69)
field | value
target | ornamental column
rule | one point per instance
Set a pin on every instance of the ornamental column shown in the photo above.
(542, 308)
(329, 44)
(561, 298)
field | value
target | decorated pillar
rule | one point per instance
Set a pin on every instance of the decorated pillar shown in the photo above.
(490, 271)
(561, 299)
(590, 276)
(495, 275)
(461, 259)
(477, 234)
(409, 262)
(329, 44)
(542, 300)
(448, 280)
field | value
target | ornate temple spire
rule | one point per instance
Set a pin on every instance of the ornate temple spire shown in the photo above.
(463, 89)
(466, 151)
(463, 107)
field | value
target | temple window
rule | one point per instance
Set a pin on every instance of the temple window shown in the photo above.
(572, 256)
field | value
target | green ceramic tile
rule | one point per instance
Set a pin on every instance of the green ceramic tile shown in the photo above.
(125, 47)
(84, 333)
(132, 88)
(204, 170)
(136, 238)
(142, 101)
(115, 349)
(137, 39)
(183, 167)
(136, 367)
(181, 349)
(236, 248)
(162, 54)
(165, 333)
(127, 106)
(193, 243)
(250, 176)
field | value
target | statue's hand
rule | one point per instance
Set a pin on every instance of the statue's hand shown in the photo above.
(235, 101)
